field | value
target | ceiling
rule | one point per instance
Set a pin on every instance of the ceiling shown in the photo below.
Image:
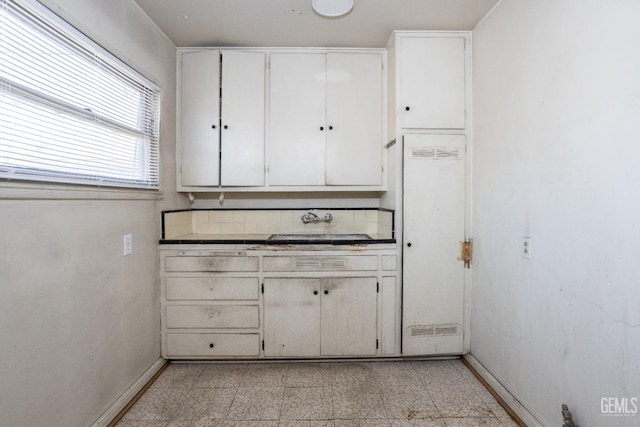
(292, 23)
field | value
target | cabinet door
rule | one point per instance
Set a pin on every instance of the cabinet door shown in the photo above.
(199, 112)
(354, 119)
(434, 221)
(432, 93)
(348, 316)
(292, 317)
(297, 119)
(242, 117)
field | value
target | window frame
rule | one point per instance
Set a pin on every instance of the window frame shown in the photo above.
(15, 184)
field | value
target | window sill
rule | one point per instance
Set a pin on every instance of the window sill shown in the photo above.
(29, 191)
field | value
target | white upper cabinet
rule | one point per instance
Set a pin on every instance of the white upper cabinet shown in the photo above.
(297, 119)
(354, 119)
(222, 145)
(242, 118)
(432, 75)
(199, 118)
(326, 119)
(310, 120)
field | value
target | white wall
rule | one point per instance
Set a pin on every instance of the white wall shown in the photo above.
(557, 158)
(79, 322)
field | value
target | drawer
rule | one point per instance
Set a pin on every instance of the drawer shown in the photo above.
(321, 263)
(212, 316)
(211, 288)
(199, 345)
(211, 263)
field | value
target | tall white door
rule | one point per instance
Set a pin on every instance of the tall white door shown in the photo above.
(354, 119)
(297, 119)
(434, 226)
(242, 117)
(200, 116)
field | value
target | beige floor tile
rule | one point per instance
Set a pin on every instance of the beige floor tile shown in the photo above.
(309, 375)
(220, 375)
(360, 402)
(408, 402)
(307, 403)
(265, 375)
(206, 405)
(179, 375)
(472, 422)
(256, 404)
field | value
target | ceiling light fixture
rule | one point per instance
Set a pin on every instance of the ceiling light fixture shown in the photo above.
(332, 8)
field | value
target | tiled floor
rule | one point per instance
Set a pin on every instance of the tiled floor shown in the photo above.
(335, 394)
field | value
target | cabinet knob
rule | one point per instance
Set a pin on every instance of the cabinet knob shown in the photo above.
(213, 126)
(321, 127)
(226, 127)
(315, 292)
(326, 292)
(409, 244)
(211, 345)
(407, 108)
(330, 127)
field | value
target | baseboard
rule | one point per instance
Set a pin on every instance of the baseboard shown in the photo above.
(521, 412)
(126, 397)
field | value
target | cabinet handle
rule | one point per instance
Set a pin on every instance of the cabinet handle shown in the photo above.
(211, 345)
(226, 127)
(315, 292)
(330, 127)
(213, 126)
(321, 127)
(326, 292)
(409, 244)
(407, 108)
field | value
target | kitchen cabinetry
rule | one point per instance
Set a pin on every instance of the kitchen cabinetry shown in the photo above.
(240, 301)
(432, 88)
(307, 317)
(326, 119)
(210, 305)
(431, 95)
(222, 141)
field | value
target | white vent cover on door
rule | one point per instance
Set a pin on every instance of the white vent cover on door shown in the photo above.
(435, 330)
(436, 153)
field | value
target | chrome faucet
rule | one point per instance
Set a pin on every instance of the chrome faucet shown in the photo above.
(312, 217)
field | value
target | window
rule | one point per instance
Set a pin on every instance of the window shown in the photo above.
(70, 111)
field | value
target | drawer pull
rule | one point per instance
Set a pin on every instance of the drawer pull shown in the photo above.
(326, 292)
(315, 292)
(211, 345)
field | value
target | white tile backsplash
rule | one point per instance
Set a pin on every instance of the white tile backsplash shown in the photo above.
(265, 222)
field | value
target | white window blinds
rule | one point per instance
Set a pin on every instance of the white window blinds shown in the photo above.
(70, 111)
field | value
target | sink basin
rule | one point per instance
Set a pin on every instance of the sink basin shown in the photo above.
(319, 237)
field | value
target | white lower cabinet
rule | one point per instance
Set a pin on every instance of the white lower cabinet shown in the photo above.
(222, 302)
(307, 317)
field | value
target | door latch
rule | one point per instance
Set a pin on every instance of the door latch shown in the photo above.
(466, 253)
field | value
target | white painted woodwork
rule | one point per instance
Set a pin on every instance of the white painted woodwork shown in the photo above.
(212, 264)
(211, 288)
(212, 316)
(354, 125)
(321, 263)
(212, 344)
(388, 315)
(306, 317)
(297, 114)
(242, 118)
(432, 73)
(348, 316)
(389, 262)
(199, 112)
(292, 317)
(434, 225)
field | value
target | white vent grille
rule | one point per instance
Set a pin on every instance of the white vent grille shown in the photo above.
(435, 330)
(436, 153)
(320, 264)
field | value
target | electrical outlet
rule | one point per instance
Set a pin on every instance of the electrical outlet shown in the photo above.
(525, 247)
(128, 244)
